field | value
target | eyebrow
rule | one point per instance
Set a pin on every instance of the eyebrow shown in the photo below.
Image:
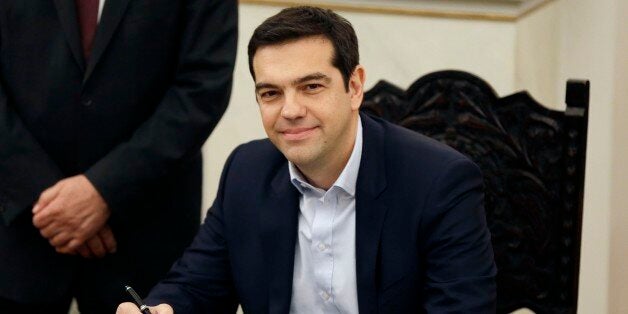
(301, 80)
(259, 86)
(312, 77)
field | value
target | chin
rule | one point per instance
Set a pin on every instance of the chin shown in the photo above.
(297, 156)
(296, 159)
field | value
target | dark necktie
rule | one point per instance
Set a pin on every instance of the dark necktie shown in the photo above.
(87, 11)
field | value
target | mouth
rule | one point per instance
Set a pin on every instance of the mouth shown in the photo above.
(297, 134)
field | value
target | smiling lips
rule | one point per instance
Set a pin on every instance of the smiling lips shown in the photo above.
(296, 134)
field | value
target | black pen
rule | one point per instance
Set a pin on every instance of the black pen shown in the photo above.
(143, 307)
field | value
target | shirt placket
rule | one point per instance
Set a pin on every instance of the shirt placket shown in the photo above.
(322, 232)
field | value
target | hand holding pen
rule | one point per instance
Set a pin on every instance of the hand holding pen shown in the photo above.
(140, 307)
(138, 301)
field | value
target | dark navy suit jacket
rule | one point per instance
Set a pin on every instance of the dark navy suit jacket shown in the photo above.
(422, 244)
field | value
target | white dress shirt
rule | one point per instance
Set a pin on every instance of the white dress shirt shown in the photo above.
(324, 277)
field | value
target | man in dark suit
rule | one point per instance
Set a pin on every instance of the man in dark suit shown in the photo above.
(337, 212)
(104, 107)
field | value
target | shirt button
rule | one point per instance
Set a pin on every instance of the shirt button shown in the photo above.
(322, 247)
(325, 295)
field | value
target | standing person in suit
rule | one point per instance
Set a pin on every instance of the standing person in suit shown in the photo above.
(336, 212)
(104, 107)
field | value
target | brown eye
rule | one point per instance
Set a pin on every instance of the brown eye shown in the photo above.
(313, 87)
(268, 94)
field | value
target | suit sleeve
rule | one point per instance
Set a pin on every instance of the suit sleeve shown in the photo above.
(25, 168)
(201, 280)
(188, 112)
(460, 269)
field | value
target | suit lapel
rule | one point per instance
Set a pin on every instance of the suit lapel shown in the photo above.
(66, 11)
(370, 213)
(279, 222)
(109, 20)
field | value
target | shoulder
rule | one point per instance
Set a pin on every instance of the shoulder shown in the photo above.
(255, 158)
(409, 148)
(255, 150)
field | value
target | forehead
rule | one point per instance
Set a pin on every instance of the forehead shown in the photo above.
(293, 59)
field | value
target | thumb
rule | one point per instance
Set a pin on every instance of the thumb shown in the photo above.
(161, 309)
(127, 308)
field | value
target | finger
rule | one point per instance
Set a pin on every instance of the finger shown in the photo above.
(84, 251)
(96, 246)
(49, 231)
(72, 246)
(65, 250)
(46, 197)
(45, 215)
(107, 238)
(161, 309)
(60, 239)
(129, 308)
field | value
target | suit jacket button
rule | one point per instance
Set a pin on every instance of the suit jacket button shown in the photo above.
(87, 103)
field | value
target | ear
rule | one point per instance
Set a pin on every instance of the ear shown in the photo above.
(356, 86)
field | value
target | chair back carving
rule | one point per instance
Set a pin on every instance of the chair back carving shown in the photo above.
(533, 162)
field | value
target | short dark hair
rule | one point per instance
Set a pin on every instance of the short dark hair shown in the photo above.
(304, 21)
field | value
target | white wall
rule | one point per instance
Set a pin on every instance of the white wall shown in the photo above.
(588, 48)
(537, 49)
(618, 288)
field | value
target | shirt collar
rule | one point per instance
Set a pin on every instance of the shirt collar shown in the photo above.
(348, 177)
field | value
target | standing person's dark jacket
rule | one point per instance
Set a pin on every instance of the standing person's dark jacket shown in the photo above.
(132, 118)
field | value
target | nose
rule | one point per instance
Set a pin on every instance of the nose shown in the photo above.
(292, 108)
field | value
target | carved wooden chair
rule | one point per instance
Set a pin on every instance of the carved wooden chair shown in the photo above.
(533, 161)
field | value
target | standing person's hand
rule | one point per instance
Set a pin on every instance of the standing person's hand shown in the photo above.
(99, 245)
(130, 308)
(70, 213)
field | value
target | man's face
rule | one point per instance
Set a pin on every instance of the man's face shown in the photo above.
(306, 110)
